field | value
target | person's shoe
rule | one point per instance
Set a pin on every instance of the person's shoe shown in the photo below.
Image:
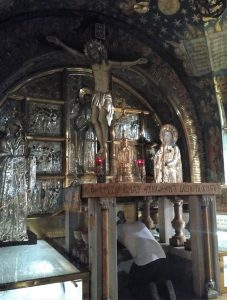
(170, 290)
(153, 291)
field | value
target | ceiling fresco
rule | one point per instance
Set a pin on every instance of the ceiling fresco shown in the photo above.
(172, 32)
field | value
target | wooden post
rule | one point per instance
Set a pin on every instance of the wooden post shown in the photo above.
(178, 223)
(210, 291)
(105, 248)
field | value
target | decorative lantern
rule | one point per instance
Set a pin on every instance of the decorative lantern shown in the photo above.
(100, 168)
(140, 163)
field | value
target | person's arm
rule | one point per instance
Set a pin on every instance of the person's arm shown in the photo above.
(127, 64)
(56, 41)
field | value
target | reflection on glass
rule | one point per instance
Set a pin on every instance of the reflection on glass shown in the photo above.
(225, 270)
(58, 291)
(20, 263)
(44, 119)
(48, 156)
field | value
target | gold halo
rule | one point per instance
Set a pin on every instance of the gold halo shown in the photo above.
(172, 129)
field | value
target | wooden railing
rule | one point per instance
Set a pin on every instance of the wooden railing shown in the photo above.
(201, 200)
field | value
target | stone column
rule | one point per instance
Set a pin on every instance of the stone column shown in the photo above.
(210, 291)
(178, 223)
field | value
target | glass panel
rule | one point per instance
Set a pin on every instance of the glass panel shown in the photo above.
(55, 291)
(48, 156)
(30, 262)
(45, 119)
(225, 270)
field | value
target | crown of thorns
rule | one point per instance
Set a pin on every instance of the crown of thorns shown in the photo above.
(94, 44)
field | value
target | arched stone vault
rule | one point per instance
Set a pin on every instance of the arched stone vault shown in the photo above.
(34, 54)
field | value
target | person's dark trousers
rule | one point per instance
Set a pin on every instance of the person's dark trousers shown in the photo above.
(141, 276)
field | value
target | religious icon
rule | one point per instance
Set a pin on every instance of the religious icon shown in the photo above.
(167, 160)
(101, 103)
(124, 162)
(15, 183)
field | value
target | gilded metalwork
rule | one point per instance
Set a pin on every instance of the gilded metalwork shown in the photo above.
(36, 100)
(44, 138)
(124, 162)
(48, 155)
(46, 197)
(127, 125)
(44, 119)
(220, 84)
(170, 128)
(167, 80)
(167, 160)
(101, 105)
(14, 184)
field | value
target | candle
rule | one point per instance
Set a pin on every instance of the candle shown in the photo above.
(99, 160)
(140, 162)
(100, 169)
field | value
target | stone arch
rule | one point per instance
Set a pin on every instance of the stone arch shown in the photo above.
(33, 54)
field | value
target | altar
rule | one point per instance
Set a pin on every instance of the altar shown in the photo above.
(102, 200)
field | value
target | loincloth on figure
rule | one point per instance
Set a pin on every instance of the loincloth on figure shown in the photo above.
(104, 100)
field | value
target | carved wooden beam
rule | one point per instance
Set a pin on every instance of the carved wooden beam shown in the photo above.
(108, 190)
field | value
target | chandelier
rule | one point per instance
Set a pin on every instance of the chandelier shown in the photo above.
(210, 8)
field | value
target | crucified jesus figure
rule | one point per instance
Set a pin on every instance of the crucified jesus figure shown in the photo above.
(101, 105)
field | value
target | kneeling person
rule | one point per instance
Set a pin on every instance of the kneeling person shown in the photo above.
(148, 276)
